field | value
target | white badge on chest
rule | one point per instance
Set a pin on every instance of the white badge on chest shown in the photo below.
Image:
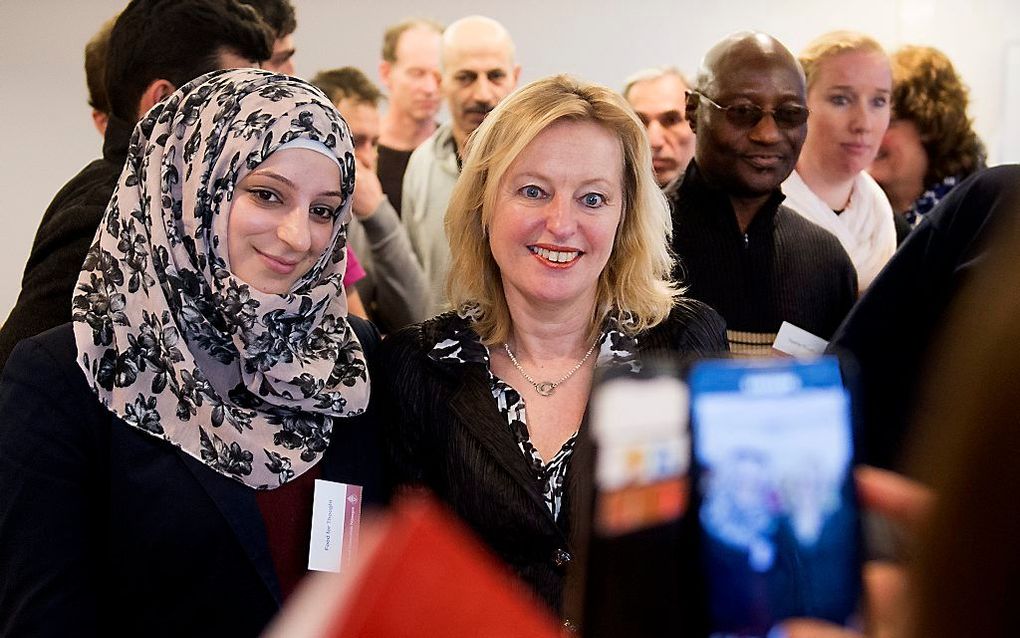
(336, 521)
(798, 342)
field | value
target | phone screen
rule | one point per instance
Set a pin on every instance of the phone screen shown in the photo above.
(773, 460)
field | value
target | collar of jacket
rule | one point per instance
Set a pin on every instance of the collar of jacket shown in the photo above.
(444, 149)
(697, 198)
(472, 404)
(116, 140)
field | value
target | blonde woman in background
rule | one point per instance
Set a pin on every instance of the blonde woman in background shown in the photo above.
(849, 91)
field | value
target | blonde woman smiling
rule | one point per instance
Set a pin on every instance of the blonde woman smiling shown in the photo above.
(560, 266)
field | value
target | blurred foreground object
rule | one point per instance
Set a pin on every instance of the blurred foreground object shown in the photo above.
(421, 574)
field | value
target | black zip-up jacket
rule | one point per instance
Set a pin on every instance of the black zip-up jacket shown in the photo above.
(784, 268)
(65, 233)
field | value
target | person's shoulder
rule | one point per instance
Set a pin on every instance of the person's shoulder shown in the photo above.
(47, 362)
(55, 346)
(405, 360)
(427, 150)
(691, 327)
(423, 336)
(96, 172)
(419, 161)
(1002, 178)
(83, 198)
(795, 190)
(702, 326)
(983, 196)
(443, 137)
(389, 153)
(404, 341)
(867, 183)
(688, 311)
(418, 176)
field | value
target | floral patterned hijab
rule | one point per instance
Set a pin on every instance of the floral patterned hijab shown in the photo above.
(170, 340)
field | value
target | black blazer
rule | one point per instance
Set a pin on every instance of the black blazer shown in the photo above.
(106, 530)
(444, 431)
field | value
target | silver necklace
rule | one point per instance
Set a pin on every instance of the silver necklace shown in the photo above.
(545, 388)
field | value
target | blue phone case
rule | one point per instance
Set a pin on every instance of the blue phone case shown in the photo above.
(773, 460)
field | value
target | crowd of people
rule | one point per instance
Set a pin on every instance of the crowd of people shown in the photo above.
(266, 282)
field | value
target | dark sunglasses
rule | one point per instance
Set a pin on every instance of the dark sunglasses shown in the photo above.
(748, 115)
(668, 119)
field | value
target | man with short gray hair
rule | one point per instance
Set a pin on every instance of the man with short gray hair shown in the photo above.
(657, 96)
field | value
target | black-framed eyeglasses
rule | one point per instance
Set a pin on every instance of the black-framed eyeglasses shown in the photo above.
(748, 115)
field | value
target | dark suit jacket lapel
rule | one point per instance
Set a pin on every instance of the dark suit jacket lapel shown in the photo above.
(473, 407)
(238, 505)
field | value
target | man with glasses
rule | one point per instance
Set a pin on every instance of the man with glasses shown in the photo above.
(657, 96)
(755, 261)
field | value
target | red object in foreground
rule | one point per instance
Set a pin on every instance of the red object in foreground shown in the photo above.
(431, 577)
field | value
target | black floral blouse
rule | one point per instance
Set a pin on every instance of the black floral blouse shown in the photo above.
(465, 346)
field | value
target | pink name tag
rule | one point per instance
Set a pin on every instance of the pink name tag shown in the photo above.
(336, 521)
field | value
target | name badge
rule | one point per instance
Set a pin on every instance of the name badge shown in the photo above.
(798, 342)
(336, 521)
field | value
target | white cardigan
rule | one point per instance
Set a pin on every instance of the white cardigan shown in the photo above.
(865, 227)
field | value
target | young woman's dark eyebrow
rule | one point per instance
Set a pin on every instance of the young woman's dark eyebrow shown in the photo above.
(288, 182)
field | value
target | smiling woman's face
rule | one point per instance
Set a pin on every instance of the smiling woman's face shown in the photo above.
(556, 214)
(282, 218)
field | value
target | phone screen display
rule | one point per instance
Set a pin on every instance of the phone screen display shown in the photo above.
(773, 459)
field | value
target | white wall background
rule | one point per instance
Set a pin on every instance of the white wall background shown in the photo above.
(47, 134)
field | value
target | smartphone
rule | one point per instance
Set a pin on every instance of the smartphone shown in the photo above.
(773, 456)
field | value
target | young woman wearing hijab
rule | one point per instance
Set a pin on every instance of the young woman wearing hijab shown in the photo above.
(849, 87)
(560, 265)
(157, 454)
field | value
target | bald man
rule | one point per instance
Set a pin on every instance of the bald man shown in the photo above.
(755, 261)
(478, 70)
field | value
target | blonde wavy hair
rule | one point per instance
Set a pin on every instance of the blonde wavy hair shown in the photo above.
(635, 284)
(832, 44)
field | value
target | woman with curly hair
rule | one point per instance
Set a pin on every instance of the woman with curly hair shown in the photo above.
(931, 144)
(158, 453)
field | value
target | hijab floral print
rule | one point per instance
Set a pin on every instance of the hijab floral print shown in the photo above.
(175, 345)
